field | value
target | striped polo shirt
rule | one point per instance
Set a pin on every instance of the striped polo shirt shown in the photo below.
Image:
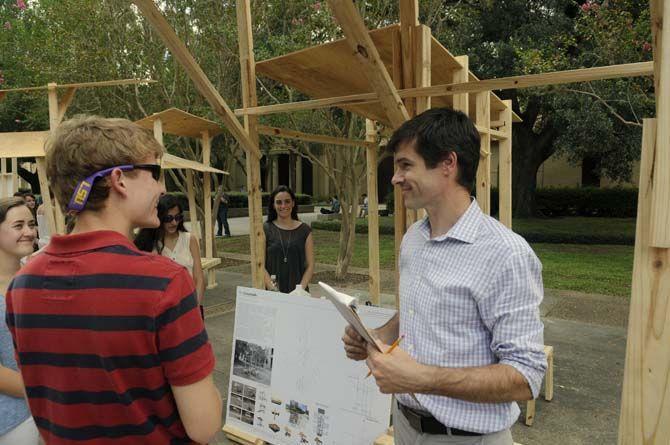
(102, 331)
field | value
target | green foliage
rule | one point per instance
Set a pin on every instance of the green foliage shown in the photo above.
(240, 200)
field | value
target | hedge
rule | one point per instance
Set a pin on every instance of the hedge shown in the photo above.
(239, 200)
(616, 202)
(532, 235)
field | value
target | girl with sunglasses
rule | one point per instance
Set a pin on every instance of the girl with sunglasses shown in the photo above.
(17, 234)
(172, 240)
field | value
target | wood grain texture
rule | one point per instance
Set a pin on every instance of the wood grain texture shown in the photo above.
(645, 404)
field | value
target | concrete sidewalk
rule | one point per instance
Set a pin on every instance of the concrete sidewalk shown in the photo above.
(588, 369)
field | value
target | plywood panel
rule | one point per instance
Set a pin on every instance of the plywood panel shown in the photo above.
(23, 144)
(181, 123)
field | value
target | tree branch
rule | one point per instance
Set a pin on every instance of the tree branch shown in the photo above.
(609, 107)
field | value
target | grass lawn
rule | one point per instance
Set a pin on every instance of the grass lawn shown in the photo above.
(602, 269)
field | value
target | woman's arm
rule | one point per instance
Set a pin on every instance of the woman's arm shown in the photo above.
(309, 259)
(198, 275)
(11, 382)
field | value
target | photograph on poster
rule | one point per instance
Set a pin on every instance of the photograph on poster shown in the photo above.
(248, 417)
(249, 391)
(236, 400)
(253, 362)
(249, 405)
(237, 388)
(235, 412)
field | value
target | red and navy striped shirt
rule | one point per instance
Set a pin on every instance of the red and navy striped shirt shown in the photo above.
(102, 331)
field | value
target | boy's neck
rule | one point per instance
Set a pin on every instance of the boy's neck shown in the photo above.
(89, 221)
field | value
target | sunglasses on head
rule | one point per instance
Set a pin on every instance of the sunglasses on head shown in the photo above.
(82, 190)
(169, 218)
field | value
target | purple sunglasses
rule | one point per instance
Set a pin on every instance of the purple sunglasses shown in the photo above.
(83, 189)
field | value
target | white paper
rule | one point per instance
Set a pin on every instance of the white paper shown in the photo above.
(293, 381)
(343, 304)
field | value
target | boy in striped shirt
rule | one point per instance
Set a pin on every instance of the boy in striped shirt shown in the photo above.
(109, 339)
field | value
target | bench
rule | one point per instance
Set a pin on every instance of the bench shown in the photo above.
(548, 386)
(208, 265)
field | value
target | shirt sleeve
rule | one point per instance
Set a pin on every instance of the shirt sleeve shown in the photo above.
(511, 311)
(185, 352)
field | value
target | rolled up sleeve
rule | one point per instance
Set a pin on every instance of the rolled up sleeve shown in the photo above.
(511, 311)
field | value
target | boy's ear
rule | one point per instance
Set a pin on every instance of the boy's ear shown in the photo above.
(117, 182)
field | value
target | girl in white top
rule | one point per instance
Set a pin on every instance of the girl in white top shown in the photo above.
(173, 241)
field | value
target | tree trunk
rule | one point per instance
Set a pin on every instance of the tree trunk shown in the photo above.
(349, 207)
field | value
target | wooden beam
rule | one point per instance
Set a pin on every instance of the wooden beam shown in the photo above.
(253, 159)
(497, 123)
(409, 20)
(503, 83)
(366, 53)
(197, 75)
(483, 119)
(309, 137)
(422, 77)
(461, 101)
(660, 210)
(104, 83)
(645, 398)
(505, 168)
(656, 11)
(64, 102)
(373, 213)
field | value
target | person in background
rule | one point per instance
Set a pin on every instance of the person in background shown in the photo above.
(289, 246)
(172, 240)
(17, 234)
(364, 207)
(31, 202)
(222, 216)
(118, 352)
(334, 206)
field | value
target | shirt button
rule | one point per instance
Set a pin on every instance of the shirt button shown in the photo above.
(410, 347)
(411, 312)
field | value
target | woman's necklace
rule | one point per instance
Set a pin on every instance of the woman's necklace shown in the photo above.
(281, 241)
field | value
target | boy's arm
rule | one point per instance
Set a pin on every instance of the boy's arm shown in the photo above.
(187, 359)
(200, 407)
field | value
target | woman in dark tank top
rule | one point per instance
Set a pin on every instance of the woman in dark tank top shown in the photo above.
(289, 246)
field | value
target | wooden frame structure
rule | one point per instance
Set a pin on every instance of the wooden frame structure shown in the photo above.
(180, 123)
(646, 392)
(31, 144)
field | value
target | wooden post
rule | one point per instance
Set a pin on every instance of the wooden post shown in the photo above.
(646, 390)
(373, 214)
(158, 135)
(207, 194)
(15, 175)
(3, 173)
(422, 77)
(52, 210)
(192, 205)
(483, 118)
(505, 167)
(207, 206)
(249, 99)
(461, 102)
(660, 208)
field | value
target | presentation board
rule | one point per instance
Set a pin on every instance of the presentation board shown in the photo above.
(291, 382)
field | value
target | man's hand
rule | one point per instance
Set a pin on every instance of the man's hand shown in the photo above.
(397, 372)
(354, 345)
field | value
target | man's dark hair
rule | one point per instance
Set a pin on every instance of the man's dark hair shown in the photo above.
(438, 132)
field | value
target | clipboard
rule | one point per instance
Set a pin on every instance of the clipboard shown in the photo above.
(346, 306)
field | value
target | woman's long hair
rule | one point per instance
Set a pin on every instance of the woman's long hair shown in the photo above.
(150, 239)
(272, 212)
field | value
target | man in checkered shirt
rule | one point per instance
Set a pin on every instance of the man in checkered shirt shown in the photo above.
(470, 291)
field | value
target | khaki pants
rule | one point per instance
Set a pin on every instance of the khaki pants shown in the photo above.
(404, 434)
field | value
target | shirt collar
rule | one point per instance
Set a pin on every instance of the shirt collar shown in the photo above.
(87, 241)
(464, 230)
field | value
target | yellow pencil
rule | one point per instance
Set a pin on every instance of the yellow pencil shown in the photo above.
(391, 348)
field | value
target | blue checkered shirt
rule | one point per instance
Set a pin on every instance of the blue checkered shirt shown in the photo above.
(469, 298)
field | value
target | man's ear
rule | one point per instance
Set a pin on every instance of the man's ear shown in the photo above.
(450, 164)
(117, 182)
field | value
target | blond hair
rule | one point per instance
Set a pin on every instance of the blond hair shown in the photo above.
(84, 145)
(6, 204)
